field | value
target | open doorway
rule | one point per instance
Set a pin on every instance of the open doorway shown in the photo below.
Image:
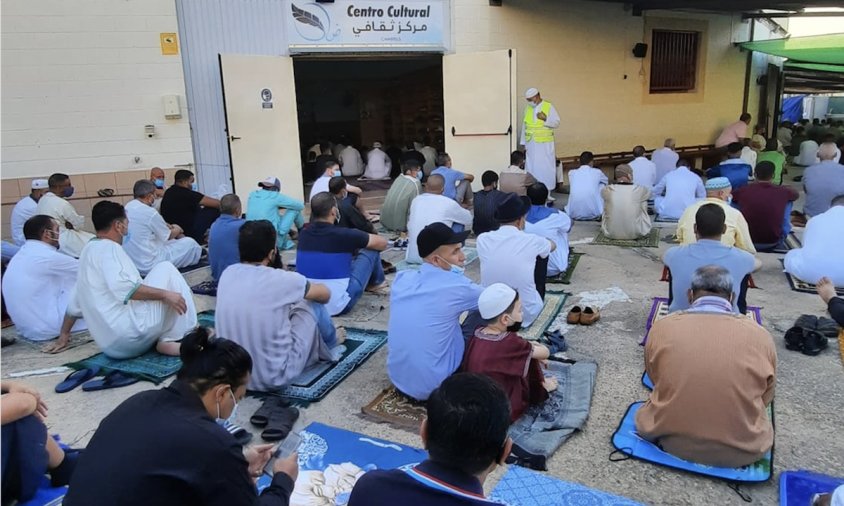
(394, 100)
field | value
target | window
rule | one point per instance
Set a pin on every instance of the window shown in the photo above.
(674, 61)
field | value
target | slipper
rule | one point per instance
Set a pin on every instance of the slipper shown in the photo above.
(114, 379)
(76, 378)
(105, 192)
(794, 338)
(262, 415)
(388, 267)
(573, 318)
(589, 316)
(241, 435)
(280, 424)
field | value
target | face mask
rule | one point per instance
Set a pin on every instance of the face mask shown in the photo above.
(126, 235)
(53, 236)
(67, 192)
(230, 420)
(419, 175)
(194, 187)
(337, 172)
(730, 199)
(454, 268)
(159, 183)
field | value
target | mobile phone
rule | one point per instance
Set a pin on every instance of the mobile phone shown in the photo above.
(284, 450)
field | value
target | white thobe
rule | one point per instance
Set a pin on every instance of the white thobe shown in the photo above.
(378, 165)
(121, 327)
(70, 241)
(585, 202)
(431, 208)
(351, 163)
(820, 255)
(808, 154)
(37, 286)
(541, 157)
(508, 255)
(555, 227)
(149, 240)
(748, 156)
(430, 154)
(665, 160)
(644, 172)
(23, 210)
(682, 188)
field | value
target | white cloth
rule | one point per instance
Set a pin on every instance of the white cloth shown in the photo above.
(23, 210)
(820, 255)
(149, 240)
(555, 227)
(124, 328)
(541, 157)
(508, 255)
(644, 172)
(585, 202)
(351, 163)
(784, 136)
(665, 160)
(430, 154)
(320, 185)
(378, 165)
(682, 188)
(37, 287)
(808, 154)
(430, 208)
(70, 241)
(748, 156)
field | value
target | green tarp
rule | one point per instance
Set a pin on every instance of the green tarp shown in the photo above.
(828, 49)
(823, 67)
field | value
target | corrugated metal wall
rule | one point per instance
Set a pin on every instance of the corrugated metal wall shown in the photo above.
(207, 28)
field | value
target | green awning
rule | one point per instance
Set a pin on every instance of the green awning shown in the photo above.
(823, 67)
(827, 49)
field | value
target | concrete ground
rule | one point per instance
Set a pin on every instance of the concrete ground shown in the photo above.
(809, 405)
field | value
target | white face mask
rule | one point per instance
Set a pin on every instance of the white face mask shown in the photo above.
(454, 268)
(230, 420)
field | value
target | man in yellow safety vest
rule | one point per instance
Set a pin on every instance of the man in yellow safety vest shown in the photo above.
(538, 138)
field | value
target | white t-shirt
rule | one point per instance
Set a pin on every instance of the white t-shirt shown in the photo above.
(23, 210)
(148, 233)
(351, 162)
(585, 202)
(430, 208)
(320, 185)
(820, 255)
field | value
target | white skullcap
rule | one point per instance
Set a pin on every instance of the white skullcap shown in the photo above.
(40, 184)
(495, 299)
(531, 92)
(376, 144)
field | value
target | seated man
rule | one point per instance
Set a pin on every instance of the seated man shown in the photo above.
(714, 376)
(708, 249)
(433, 207)
(151, 240)
(222, 237)
(396, 209)
(823, 242)
(350, 215)
(465, 434)
(276, 315)
(428, 302)
(514, 179)
(719, 192)
(25, 209)
(351, 161)
(665, 159)
(643, 170)
(485, 203)
(458, 185)
(823, 181)
(625, 207)
(508, 255)
(268, 203)
(585, 182)
(39, 282)
(346, 260)
(676, 191)
(127, 314)
(767, 208)
(551, 224)
(733, 168)
(378, 163)
(182, 205)
(807, 153)
(54, 204)
(156, 177)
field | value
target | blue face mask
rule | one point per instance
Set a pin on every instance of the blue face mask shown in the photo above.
(337, 172)
(194, 187)
(419, 175)
(232, 417)
(67, 192)
(159, 183)
(454, 268)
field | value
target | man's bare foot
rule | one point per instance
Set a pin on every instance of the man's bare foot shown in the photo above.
(550, 383)
(382, 289)
(826, 289)
(341, 336)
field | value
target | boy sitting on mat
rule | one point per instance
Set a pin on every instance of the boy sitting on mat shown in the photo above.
(501, 354)
(714, 375)
(465, 435)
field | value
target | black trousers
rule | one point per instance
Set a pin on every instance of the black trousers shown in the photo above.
(540, 274)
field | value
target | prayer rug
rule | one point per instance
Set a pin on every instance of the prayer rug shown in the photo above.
(553, 304)
(46, 495)
(522, 487)
(798, 487)
(205, 288)
(203, 262)
(315, 383)
(666, 276)
(470, 252)
(553, 285)
(659, 310)
(397, 409)
(76, 339)
(646, 381)
(205, 319)
(798, 285)
(151, 366)
(660, 219)
(373, 184)
(628, 442)
(340, 457)
(791, 242)
(649, 241)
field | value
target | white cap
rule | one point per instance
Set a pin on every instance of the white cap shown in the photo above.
(40, 184)
(495, 299)
(531, 92)
(376, 144)
(271, 182)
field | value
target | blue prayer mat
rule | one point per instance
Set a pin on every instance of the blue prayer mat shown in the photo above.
(521, 487)
(798, 487)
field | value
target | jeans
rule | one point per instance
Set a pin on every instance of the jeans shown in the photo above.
(24, 458)
(324, 324)
(366, 271)
(457, 228)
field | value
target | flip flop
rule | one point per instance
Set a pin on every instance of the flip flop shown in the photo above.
(280, 424)
(76, 378)
(114, 379)
(262, 415)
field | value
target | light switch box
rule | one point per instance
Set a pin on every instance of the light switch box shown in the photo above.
(172, 108)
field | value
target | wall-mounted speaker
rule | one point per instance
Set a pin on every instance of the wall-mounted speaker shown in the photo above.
(640, 50)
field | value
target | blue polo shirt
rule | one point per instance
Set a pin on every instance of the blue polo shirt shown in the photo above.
(424, 338)
(452, 178)
(222, 244)
(734, 169)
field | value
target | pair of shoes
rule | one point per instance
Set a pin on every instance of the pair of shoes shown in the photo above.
(277, 418)
(807, 341)
(585, 316)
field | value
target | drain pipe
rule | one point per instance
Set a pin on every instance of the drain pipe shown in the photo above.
(747, 68)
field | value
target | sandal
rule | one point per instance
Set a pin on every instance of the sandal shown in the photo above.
(241, 435)
(105, 192)
(280, 424)
(114, 379)
(76, 378)
(262, 415)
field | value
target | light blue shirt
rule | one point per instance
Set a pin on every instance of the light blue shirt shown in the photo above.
(452, 179)
(265, 204)
(424, 338)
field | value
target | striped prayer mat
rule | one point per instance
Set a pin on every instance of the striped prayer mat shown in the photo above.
(649, 241)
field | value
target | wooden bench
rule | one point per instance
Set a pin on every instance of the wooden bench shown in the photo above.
(702, 157)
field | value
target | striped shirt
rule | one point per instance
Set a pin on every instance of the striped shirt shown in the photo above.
(396, 208)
